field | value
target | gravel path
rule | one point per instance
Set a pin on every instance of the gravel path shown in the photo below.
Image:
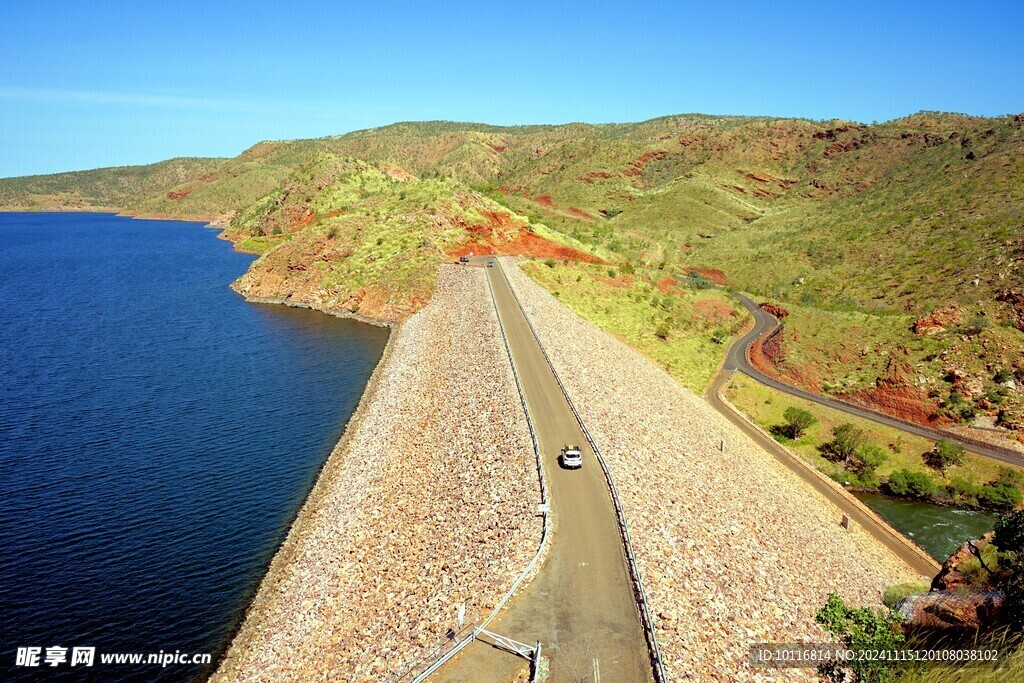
(733, 548)
(428, 501)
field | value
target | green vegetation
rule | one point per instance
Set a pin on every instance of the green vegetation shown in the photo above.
(677, 326)
(945, 454)
(861, 628)
(836, 440)
(858, 231)
(893, 594)
(911, 484)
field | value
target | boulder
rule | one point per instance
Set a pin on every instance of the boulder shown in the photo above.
(938, 321)
(952, 611)
(950, 577)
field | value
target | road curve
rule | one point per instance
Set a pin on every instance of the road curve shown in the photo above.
(580, 605)
(765, 323)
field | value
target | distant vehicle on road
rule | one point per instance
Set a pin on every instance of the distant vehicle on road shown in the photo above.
(463, 259)
(490, 264)
(572, 457)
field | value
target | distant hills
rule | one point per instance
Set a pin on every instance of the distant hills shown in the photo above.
(859, 231)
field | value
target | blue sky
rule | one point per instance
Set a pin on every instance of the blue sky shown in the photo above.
(84, 85)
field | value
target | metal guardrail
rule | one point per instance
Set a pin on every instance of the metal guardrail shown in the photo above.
(432, 660)
(641, 596)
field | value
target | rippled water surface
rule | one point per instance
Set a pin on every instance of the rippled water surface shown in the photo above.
(938, 529)
(157, 436)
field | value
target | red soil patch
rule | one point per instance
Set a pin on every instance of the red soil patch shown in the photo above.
(525, 243)
(180, 194)
(624, 282)
(895, 395)
(636, 167)
(592, 175)
(545, 200)
(666, 285)
(714, 274)
(580, 213)
(713, 310)
(774, 309)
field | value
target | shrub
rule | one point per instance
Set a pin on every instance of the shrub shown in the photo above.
(861, 628)
(798, 421)
(662, 331)
(999, 496)
(944, 454)
(550, 262)
(909, 484)
(961, 488)
(1009, 538)
(1001, 376)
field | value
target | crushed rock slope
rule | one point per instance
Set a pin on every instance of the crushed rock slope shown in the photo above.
(733, 548)
(427, 502)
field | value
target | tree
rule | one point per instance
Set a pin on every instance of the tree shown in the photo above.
(850, 447)
(798, 421)
(862, 628)
(1009, 539)
(1004, 492)
(846, 440)
(945, 454)
(909, 484)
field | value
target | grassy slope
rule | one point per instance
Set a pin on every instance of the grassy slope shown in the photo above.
(632, 307)
(103, 188)
(858, 229)
(766, 406)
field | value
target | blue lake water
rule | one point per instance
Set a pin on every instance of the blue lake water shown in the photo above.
(157, 436)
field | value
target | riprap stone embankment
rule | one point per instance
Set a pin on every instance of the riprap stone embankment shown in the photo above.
(429, 501)
(733, 547)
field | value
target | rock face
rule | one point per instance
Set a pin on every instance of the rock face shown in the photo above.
(938, 321)
(733, 547)
(428, 502)
(952, 611)
(774, 309)
(951, 577)
(895, 394)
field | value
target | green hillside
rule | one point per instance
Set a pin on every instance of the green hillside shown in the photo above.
(860, 231)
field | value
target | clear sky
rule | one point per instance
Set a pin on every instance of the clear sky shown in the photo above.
(87, 84)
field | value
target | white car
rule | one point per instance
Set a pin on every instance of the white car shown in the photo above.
(572, 457)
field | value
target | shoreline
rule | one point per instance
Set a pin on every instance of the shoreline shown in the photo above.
(311, 596)
(285, 554)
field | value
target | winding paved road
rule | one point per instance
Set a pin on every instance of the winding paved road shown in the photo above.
(765, 323)
(580, 606)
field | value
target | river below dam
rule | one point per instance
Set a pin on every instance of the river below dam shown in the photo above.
(937, 528)
(158, 435)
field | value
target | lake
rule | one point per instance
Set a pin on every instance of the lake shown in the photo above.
(158, 435)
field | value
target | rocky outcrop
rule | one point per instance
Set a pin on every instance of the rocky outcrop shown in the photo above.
(1016, 301)
(895, 394)
(951, 576)
(774, 309)
(938, 321)
(952, 611)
